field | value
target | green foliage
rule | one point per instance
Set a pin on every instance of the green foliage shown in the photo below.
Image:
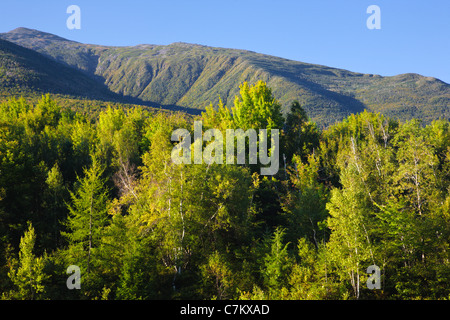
(301, 135)
(100, 191)
(87, 217)
(218, 277)
(27, 274)
(305, 200)
(276, 263)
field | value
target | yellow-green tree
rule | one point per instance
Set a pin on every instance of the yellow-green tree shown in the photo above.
(27, 273)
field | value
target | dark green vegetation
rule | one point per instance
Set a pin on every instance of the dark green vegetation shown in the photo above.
(24, 71)
(193, 76)
(100, 191)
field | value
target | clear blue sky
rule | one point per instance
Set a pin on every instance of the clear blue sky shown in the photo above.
(414, 35)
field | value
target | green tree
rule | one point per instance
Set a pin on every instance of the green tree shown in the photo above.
(54, 205)
(301, 135)
(350, 240)
(277, 263)
(88, 216)
(311, 278)
(218, 275)
(416, 176)
(304, 203)
(27, 274)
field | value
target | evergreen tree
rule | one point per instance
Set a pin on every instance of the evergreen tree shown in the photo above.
(87, 217)
(27, 274)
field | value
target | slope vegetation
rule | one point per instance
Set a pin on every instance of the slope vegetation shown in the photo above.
(190, 75)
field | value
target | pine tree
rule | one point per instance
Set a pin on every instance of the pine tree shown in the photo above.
(27, 274)
(54, 204)
(88, 215)
(301, 136)
(277, 263)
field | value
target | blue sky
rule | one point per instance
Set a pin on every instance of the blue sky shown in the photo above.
(414, 35)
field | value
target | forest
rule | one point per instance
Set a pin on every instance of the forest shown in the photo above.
(98, 190)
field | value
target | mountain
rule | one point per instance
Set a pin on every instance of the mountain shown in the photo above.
(26, 71)
(192, 76)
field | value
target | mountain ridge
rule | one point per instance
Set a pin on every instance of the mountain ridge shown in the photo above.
(22, 69)
(193, 75)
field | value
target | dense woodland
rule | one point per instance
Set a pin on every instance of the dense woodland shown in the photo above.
(99, 190)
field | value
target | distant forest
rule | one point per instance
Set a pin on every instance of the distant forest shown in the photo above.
(99, 190)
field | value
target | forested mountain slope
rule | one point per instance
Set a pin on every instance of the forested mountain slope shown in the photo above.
(194, 76)
(25, 71)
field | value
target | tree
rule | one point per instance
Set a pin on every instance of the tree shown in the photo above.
(254, 108)
(218, 276)
(301, 136)
(416, 175)
(311, 278)
(350, 241)
(88, 215)
(304, 203)
(277, 263)
(27, 274)
(54, 205)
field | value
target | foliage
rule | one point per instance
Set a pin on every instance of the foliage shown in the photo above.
(27, 274)
(100, 191)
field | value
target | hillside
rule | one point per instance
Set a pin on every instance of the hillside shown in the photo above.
(189, 75)
(24, 71)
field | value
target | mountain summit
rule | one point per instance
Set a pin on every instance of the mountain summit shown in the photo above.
(30, 34)
(188, 75)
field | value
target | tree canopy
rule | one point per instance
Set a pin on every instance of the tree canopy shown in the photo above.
(100, 191)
